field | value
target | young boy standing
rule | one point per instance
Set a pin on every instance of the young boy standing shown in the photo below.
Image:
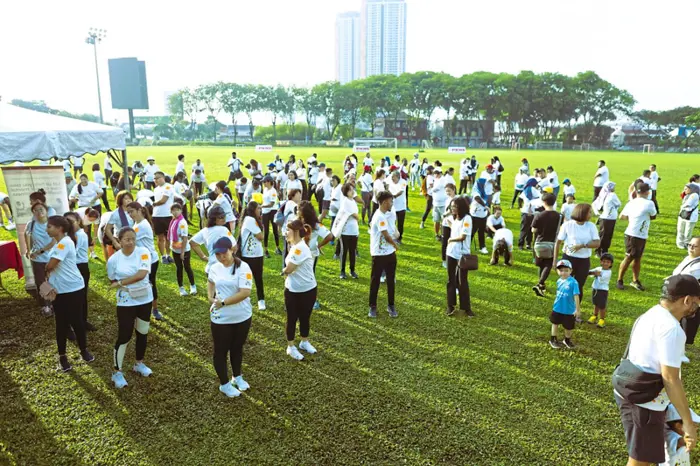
(567, 306)
(601, 285)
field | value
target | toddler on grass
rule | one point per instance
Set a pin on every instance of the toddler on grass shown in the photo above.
(601, 285)
(567, 306)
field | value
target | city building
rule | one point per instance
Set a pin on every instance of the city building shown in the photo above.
(347, 46)
(383, 37)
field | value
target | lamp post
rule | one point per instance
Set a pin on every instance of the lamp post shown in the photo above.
(94, 37)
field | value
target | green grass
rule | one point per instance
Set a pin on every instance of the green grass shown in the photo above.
(420, 389)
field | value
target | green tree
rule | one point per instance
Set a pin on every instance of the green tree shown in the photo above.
(310, 105)
(249, 104)
(232, 103)
(208, 96)
(328, 98)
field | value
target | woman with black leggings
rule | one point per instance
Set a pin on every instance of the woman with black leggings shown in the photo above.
(351, 229)
(178, 235)
(479, 212)
(270, 205)
(545, 227)
(252, 249)
(299, 288)
(143, 227)
(228, 288)
(426, 188)
(81, 259)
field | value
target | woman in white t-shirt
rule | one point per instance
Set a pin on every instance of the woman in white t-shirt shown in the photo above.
(366, 189)
(578, 239)
(128, 271)
(81, 260)
(457, 246)
(293, 182)
(228, 288)
(351, 230)
(301, 176)
(216, 228)
(143, 227)
(607, 205)
(450, 191)
(479, 212)
(299, 288)
(377, 187)
(320, 235)
(178, 235)
(224, 200)
(251, 246)
(39, 245)
(688, 215)
(100, 181)
(398, 187)
(63, 275)
(87, 194)
(270, 205)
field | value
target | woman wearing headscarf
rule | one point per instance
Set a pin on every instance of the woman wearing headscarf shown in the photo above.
(606, 206)
(688, 216)
(479, 212)
(527, 214)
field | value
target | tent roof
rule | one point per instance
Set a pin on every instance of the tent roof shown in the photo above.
(26, 135)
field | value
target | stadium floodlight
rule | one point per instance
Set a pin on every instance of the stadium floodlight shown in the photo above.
(94, 37)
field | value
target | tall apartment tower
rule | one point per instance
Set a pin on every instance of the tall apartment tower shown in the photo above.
(383, 37)
(347, 47)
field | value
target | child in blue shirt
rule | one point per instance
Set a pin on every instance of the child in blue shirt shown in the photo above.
(567, 306)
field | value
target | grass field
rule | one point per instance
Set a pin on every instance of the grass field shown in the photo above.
(420, 389)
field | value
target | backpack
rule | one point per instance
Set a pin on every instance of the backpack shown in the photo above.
(279, 216)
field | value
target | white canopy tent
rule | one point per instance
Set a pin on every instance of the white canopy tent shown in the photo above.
(26, 135)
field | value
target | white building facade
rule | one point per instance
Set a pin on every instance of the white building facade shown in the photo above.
(348, 47)
(383, 37)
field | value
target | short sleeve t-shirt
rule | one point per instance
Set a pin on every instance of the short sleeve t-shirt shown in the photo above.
(85, 194)
(225, 203)
(400, 200)
(120, 267)
(571, 234)
(566, 210)
(144, 238)
(250, 245)
(319, 234)
(65, 277)
(602, 282)
(270, 197)
(379, 246)
(182, 236)
(604, 177)
(166, 190)
(81, 247)
(611, 204)
(116, 220)
(303, 278)
(477, 210)
(456, 249)
(546, 223)
(351, 227)
(40, 240)
(210, 235)
(228, 281)
(565, 303)
(506, 235)
(492, 221)
(99, 179)
(639, 212)
(690, 204)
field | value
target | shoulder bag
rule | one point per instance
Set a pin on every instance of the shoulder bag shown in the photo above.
(545, 249)
(469, 262)
(686, 214)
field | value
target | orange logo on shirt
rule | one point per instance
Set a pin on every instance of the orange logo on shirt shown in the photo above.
(61, 246)
(228, 233)
(248, 276)
(297, 252)
(144, 257)
(136, 229)
(381, 224)
(167, 187)
(466, 224)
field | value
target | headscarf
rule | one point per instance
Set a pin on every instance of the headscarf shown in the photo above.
(604, 192)
(529, 191)
(694, 189)
(480, 188)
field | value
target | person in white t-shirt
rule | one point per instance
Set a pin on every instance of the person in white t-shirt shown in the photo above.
(398, 187)
(602, 176)
(63, 275)
(427, 191)
(365, 183)
(300, 288)
(463, 176)
(228, 288)
(601, 286)
(150, 171)
(383, 246)
(439, 199)
(270, 205)
(78, 162)
(81, 260)
(144, 238)
(606, 206)
(569, 189)
(128, 270)
(457, 246)
(367, 161)
(520, 180)
(325, 190)
(178, 235)
(251, 245)
(234, 164)
(688, 215)
(690, 265)
(224, 199)
(553, 180)
(657, 347)
(495, 221)
(180, 166)
(568, 207)
(654, 179)
(502, 246)
(320, 235)
(479, 212)
(348, 213)
(378, 186)
(164, 195)
(640, 211)
(215, 229)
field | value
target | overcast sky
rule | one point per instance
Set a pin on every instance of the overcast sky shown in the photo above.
(646, 47)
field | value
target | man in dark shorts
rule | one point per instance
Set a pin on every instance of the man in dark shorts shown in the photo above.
(640, 211)
(235, 165)
(657, 346)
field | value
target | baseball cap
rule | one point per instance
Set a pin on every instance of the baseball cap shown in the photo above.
(68, 175)
(368, 169)
(271, 164)
(489, 166)
(679, 286)
(222, 245)
(267, 179)
(672, 414)
(548, 189)
(150, 158)
(566, 180)
(216, 211)
(564, 263)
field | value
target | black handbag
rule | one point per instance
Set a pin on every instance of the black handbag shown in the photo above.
(632, 383)
(686, 214)
(469, 262)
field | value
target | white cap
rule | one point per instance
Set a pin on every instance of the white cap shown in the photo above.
(150, 158)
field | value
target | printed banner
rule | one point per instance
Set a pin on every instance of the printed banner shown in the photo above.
(266, 148)
(361, 149)
(456, 150)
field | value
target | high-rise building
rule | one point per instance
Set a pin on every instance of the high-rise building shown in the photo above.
(347, 47)
(383, 37)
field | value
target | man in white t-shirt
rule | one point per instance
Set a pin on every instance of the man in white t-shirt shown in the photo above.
(164, 195)
(234, 165)
(553, 179)
(149, 172)
(654, 179)
(690, 265)
(367, 161)
(657, 346)
(640, 211)
(602, 176)
(383, 235)
(439, 199)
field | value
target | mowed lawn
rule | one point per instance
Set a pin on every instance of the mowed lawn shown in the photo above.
(419, 389)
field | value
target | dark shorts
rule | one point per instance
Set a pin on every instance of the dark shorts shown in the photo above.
(198, 186)
(644, 431)
(565, 320)
(634, 247)
(600, 298)
(161, 224)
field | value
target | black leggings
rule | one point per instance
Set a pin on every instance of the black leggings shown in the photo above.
(457, 279)
(446, 232)
(545, 266)
(516, 196)
(349, 247)
(428, 208)
(267, 219)
(256, 266)
(152, 279)
(304, 190)
(400, 221)
(366, 204)
(84, 270)
(180, 265)
(525, 230)
(386, 265)
(580, 269)
(127, 320)
(104, 199)
(67, 309)
(299, 307)
(479, 226)
(463, 186)
(606, 228)
(228, 341)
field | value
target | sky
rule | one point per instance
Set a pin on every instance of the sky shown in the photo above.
(643, 46)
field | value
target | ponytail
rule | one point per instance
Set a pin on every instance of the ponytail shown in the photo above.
(67, 227)
(144, 211)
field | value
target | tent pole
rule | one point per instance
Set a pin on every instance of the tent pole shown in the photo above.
(125, 167)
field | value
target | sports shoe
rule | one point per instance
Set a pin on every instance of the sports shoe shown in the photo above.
(229, 390)
(86, 355)
(601, 323)
(450, 311)
(142, 369)
(46, 311)
(193, 289)
(261, 305)
(317, 306)
(278, 251)
(484, 251)
(422, 225)
(637, 285)
(294, 353)
(10, 226)
(438, 238)
(119, 380)
(89, 327)
(241, 384)
(554, 343)
(343, 276)
(592, 320)
(392, 311)
(183, 291)
(493, 262)
(93, 255)
(354, 275)
(164, 260)
(308, 347)
(372, 312)
(382, 279)
(620, 285)
(267, 254)
(357, 253)
(444, 264)
(569, 344)
(470, 313)
(156, 314)
(64, 364)
(538, 291)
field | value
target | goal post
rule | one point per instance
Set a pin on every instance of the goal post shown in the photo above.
(376, 142)
(425, 144)
(549, 145)
(647, 148)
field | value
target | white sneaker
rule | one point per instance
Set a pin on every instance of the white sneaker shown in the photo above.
(10, 226)
(229, 390)
(261, 305)
(422, 225)
(484, 251)
(294, 353)
(308, 347)
(183, 291)
(119, 380)
(444, 264)
(93, 255)
(193, 289)
(240, 383)
(142, 369)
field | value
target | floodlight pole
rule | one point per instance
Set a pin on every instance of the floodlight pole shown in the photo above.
(95, 36)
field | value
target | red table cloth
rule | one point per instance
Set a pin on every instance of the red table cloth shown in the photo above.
(10, 258)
